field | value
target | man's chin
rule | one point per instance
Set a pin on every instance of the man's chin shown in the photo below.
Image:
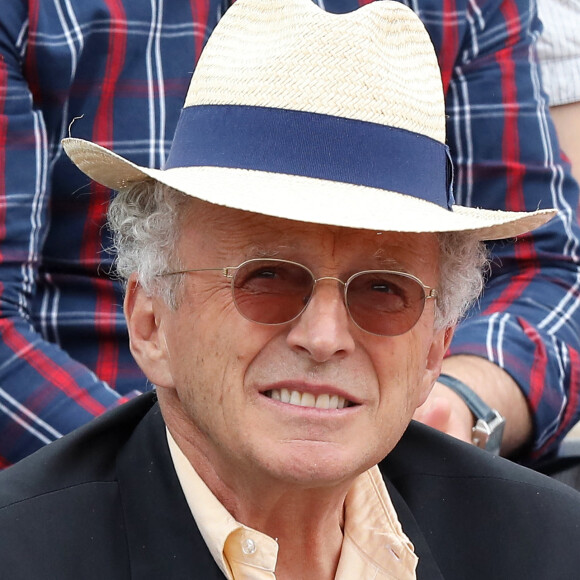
(311, 463)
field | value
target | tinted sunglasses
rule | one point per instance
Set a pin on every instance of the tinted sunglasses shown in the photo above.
(272, 291)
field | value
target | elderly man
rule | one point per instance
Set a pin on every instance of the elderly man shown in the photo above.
(291, 291)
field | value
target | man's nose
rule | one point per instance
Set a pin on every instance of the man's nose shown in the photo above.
(323, 330)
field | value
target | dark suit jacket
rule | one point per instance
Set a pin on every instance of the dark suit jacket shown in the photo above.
(104, 503)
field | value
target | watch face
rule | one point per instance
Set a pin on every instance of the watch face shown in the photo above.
(488, 436)
(488, 429)
(480, 434)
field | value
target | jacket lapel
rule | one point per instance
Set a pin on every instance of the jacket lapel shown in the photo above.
(427, 568)
(163, 539)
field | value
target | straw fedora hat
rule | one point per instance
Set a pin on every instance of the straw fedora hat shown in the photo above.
(297, 113)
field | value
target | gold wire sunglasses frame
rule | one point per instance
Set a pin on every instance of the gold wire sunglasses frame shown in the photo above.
(273, 291)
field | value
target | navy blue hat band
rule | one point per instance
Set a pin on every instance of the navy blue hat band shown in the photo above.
(313, 145)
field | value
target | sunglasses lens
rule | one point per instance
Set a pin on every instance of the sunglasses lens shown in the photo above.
(274, 292)
(385, 303)
(271, 291)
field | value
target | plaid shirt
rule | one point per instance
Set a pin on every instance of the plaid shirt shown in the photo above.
(121, 69)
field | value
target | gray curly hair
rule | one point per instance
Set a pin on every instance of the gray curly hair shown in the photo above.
(145, 222)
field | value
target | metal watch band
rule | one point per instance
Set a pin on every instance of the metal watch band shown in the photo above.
(489, 426)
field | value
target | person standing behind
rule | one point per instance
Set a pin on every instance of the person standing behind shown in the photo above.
(64, 356)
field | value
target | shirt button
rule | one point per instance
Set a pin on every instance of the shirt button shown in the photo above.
(248, 546)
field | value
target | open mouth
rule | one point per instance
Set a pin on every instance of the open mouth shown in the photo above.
(300, 399)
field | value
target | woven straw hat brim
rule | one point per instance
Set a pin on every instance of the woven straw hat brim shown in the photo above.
(305, 199)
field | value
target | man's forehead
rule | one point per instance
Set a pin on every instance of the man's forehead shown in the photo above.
(256, 235)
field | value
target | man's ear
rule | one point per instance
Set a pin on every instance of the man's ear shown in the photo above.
(145, 315)
(439, 346)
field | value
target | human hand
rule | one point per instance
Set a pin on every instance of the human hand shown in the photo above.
(446, 411)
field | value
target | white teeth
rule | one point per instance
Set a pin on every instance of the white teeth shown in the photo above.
(295, 398)
(298, 398)
(322, 401)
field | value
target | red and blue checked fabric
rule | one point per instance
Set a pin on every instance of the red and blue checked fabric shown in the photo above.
(506, 156)
(122, 69)
(124, 66)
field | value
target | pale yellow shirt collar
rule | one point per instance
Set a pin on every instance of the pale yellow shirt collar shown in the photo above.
(374, 545)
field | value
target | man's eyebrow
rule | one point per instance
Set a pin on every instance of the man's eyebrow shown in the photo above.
(387, 262)
(384, 260)
(263, 251)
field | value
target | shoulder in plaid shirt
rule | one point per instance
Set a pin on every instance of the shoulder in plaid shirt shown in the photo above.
(122, 67)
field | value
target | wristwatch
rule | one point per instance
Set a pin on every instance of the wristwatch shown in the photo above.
(489, 424)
